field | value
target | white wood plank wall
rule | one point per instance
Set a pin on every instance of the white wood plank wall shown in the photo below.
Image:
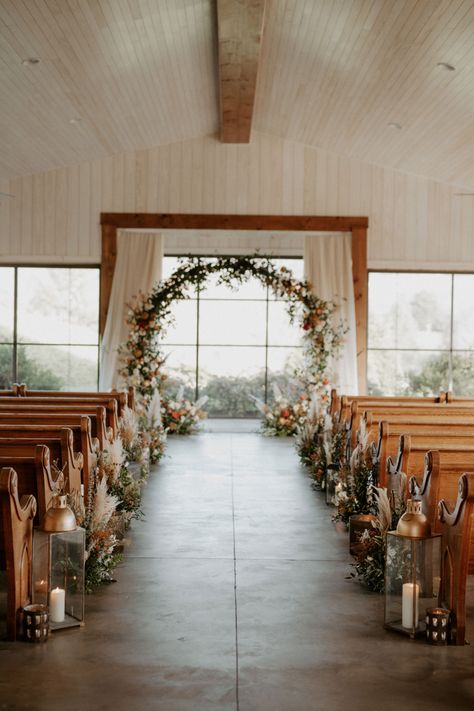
(415, 223)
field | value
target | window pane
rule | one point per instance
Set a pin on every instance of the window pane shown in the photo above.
(409, 310)
(170, 265)
(7, 295)
(463, 312)
(6, 367)
(280, 331)
(183, 330)
(407, 372)
(282, 363)
(463, 374)
(181, 369)
(58, 305)
(58, 367)
(231, 322)
(229, 376)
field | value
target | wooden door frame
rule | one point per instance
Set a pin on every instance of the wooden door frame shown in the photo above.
(112, 221)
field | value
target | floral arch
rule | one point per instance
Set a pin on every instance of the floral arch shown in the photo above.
(151, 314)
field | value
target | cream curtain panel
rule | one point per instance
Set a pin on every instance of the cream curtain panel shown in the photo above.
(328, 266)
(138, 267)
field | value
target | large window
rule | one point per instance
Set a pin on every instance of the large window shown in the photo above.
(421, 333)
(231, 344)
(49, 335)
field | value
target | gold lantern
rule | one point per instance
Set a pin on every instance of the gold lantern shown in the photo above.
(412, 572)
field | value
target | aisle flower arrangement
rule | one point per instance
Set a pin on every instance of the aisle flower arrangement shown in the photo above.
(369, 566)
(115, 491)
(282, 417)
(102, 524)
(313, 439)
(354, 491)
(143, 436)
(181, 416)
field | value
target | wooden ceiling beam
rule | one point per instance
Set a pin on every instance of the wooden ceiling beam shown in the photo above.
(240, 29)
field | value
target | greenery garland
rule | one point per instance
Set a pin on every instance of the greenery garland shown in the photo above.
(150, 316)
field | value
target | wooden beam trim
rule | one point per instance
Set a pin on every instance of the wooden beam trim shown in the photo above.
(240, 29)
(288, 223)
(361, 287)
(107, 269)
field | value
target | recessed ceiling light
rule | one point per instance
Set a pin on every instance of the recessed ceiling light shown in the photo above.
(447, 66)
(30, 61)
(395, 125)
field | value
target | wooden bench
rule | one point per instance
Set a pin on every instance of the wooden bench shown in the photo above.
(83, 442)
(83, 407)
(440, 481)
(34, 477)
(397, 441)
(61, 451)
(98, 426)
(16, 542)
(457, 526)
(341, 408)
(124, 398)
(377, 413)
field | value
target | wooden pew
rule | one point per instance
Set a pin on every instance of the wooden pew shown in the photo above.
(124, 398)
(456, 554)
(456, 399)
(82, 407)
(34, 477)
(397, 441)
(63, 419)
(16, 541)
(61, 450)
(385, 435)
(439, 481)
(83, 442)
(377, 413)
(363, 402)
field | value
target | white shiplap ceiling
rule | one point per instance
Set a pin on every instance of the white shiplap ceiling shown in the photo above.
(333, 73)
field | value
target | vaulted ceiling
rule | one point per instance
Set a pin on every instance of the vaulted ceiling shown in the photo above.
(388, 81)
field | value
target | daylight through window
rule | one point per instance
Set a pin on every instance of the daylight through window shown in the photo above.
(49, 327)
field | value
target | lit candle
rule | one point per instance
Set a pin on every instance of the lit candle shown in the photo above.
(57, 605)
(41, 586)
(410, 591)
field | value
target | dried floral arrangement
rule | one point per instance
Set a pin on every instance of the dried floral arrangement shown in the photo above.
(151, 314)
(369, 566)
(313, 440)
(354, 490)
(143, 436)
(101, 521)
(113, 467)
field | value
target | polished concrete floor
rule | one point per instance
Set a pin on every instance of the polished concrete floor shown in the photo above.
(233, 595)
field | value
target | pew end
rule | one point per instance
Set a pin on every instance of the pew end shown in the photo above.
(457, 528)
(16, 538)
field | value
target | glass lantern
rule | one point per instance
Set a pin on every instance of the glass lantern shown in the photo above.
(412, 571)
(58, 575)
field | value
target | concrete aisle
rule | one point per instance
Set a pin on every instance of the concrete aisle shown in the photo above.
(233, 596)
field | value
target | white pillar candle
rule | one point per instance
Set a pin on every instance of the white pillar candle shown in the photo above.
(410, 590)
(57, 605)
